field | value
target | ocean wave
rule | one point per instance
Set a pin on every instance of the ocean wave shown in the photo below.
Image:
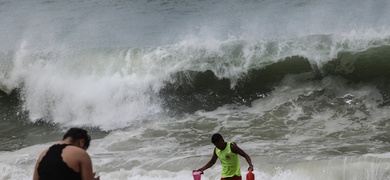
(192, 91)
(180, 78)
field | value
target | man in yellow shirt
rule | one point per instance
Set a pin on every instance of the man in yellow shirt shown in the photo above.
(227, 152)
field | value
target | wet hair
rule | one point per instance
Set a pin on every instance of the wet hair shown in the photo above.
(77, 134)
(216, 138)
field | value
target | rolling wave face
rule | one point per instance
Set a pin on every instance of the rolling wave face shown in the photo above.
(194, 91)
(370, 66)
(206, 91)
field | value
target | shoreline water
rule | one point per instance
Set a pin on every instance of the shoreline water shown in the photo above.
(302, 86)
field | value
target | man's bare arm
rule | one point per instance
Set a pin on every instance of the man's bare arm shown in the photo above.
(210, 163)
(239, 151)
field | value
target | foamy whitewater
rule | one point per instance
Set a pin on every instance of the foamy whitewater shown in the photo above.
(302, 86)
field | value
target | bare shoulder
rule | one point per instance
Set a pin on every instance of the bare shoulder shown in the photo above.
(233, 145)
(235, 148)
(76, 152)
(74, 149)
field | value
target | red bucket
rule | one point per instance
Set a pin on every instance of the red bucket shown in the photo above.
(196, 174)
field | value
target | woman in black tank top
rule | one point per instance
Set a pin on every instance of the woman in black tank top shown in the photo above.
(53, 167)
(62, 160)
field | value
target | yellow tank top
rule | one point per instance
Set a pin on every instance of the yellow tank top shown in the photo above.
(230, 162)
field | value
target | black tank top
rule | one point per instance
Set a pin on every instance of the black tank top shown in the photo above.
(53, 167)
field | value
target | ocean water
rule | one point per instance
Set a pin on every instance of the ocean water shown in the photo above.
(302, 86)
